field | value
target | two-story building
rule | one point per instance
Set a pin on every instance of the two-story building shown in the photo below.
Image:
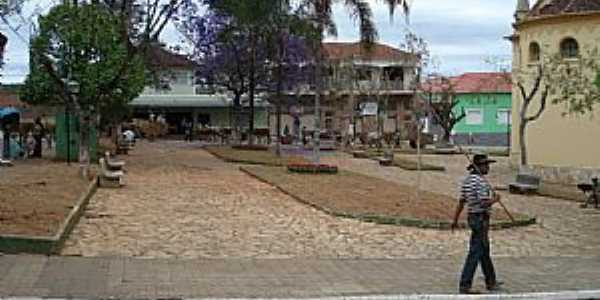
(178, 96)
(364, 92)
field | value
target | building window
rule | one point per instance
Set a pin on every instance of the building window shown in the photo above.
(534, 52)
(181, 78)
(503, 117)
(569, 48)
(474, 116)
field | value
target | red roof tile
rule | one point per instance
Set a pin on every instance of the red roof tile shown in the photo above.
(337, 51)
(473, 83)
(559, 7)
(10, 99)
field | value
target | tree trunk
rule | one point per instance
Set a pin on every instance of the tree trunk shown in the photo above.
(251, 90)
(236, 123)
(280, 55)
(522, 142)
(84, 155)
(446, 137)
(319, 91)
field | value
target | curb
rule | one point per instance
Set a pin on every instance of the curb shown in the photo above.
(561, 295)
(15, 243)
(240, 161)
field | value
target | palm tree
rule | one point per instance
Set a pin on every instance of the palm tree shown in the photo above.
(321, 11)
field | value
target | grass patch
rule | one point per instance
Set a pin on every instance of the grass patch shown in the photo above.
(268, 158)
(370, 199)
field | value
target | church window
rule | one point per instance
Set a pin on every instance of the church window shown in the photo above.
(534, 52)
(569, 48)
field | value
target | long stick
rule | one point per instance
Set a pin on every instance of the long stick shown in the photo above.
(512, 219)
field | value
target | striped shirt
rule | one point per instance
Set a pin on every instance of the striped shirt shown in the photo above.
(473, 192)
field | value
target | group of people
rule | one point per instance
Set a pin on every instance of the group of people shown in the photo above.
(28, 146)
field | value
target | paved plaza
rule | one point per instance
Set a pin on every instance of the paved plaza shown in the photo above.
(181, 202)
(188, 225)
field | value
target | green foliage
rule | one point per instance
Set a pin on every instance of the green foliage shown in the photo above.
(82, 44)
(571, 82)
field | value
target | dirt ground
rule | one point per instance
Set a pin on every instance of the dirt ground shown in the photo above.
(357, 194)
(36, 195)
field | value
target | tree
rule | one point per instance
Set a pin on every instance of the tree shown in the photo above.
(288, 33)
(563, 81)
(321, 11)
(243, 52)
(439, 96)
(82, 45)
(227, 55)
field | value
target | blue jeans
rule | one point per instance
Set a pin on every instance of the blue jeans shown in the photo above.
(479, 252)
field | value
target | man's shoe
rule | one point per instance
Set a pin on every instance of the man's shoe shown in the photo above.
(496, 286)
(469, 292)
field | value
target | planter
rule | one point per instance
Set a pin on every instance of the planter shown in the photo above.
(312, 169)
(360, 154)
(251, 147)
(15, 243)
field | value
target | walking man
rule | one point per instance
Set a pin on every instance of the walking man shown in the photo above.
(478, 196)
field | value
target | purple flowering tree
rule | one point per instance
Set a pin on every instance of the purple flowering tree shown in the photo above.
(233, 55)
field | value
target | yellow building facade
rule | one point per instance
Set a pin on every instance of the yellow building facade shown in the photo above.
(561, 148)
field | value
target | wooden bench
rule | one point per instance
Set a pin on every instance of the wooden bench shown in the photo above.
(524, 184)
(108, 178)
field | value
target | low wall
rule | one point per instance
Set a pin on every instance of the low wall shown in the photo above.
(563, 175)
(561, 182)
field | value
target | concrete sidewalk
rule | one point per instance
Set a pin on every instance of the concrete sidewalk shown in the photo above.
(118, 277)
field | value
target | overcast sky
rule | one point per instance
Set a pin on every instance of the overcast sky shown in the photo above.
(461, 37)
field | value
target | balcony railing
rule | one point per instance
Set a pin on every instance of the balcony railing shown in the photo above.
(359, 86)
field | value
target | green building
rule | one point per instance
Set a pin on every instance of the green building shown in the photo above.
(486, 100)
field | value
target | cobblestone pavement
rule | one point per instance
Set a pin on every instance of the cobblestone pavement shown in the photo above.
(182, 202)
(563, 228)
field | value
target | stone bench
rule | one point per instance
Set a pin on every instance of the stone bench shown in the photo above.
(113, 165)
(109, 178)
(5, 163)
(524, 184)
(387, 159)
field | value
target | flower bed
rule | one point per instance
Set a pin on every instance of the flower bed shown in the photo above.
(251, 147)
(312, 168)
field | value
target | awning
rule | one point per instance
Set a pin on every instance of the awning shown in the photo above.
(187, 101)
(9, 114)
